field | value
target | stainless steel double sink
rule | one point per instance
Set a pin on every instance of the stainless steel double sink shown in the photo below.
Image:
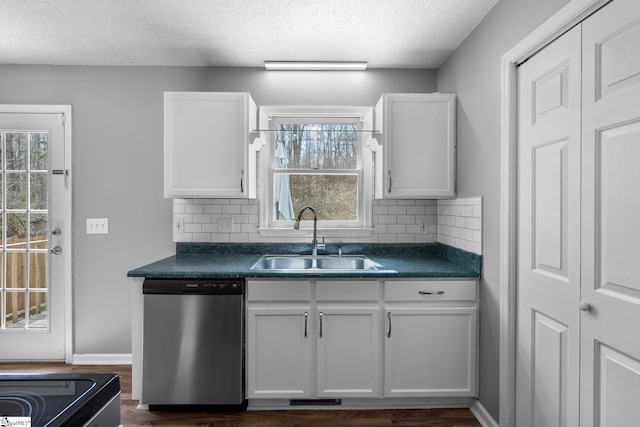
(311, 264)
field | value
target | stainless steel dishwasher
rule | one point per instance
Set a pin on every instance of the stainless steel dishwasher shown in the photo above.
(193, 343)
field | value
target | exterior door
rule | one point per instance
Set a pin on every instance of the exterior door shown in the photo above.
(35, 242)
(610, 365)
(548, 322)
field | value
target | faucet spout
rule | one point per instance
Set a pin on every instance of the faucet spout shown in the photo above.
(296, 226)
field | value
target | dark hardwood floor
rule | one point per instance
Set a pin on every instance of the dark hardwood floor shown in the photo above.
(132, 417)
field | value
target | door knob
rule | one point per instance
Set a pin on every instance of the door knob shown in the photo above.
(55, 251)
(56, 232)
(584, 306)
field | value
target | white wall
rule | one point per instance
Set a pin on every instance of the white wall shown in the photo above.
(473, 73)
(117, 170)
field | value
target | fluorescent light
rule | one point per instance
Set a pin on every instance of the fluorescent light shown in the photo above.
(315, 66)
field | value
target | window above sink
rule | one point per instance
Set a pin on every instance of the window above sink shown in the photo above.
(316, 156)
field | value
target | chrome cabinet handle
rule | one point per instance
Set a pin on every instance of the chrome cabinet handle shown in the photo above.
(306, 322)
(242, 181)
(389, 317)
(389, 181)
(320, 315)
(431, 292)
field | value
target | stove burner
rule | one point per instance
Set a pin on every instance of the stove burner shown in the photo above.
(22, 404)
(55, 400)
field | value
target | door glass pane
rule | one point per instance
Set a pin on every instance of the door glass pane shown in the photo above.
(38, 231)
(16, 228)
(38, 318)
(15, 309)
(16, 190)
(24, 191)
(16, 151)
(39, 189)
(16, 269)
(38, 270)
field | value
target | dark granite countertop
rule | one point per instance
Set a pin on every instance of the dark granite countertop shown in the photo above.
(233, 260)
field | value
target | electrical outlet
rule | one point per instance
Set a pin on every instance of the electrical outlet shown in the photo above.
(225, 225)
(97, 225)
(422, 225)
(178, 226)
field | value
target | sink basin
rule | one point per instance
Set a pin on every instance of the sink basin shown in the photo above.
(310, 264)
(283, 263)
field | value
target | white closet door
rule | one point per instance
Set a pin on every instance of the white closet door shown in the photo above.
(610, 366)
(548, 147)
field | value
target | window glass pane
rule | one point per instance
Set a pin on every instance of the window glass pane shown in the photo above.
(316, 146)
(16, 151)
(334, 197)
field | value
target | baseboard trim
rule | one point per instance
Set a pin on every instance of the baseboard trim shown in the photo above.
(482, 415)
(102, 359)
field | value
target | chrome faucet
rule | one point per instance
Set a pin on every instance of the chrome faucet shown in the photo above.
(296, 226)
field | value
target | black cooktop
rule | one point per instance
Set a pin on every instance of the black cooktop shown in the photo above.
(54, 400)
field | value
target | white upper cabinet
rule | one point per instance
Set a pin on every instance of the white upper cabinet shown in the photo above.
(416, 158)
(207, 147)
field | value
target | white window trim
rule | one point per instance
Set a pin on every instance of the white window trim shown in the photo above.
(365, 114)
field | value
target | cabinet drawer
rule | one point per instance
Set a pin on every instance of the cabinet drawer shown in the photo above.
(278, 290)
(431, 290)
(347, 290)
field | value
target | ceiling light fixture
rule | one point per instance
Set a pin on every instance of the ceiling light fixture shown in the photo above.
(314, 66)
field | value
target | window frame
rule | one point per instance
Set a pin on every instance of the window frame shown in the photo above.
(268, 227)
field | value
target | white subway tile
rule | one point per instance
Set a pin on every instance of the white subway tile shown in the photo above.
(194, 209)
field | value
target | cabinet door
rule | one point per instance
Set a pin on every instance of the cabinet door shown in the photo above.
(278, 353)
(418, 146)
(348, 352)
(430, 351)
(206, 144)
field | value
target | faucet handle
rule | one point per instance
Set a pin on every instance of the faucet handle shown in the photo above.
(321, 245)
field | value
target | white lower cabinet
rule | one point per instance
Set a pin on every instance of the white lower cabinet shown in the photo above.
(278, 353)
(328, 339)
(430, 338)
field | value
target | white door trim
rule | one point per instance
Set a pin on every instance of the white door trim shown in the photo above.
(571, 14)
(68, 226)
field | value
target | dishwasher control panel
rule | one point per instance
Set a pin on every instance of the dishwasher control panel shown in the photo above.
(194, 286)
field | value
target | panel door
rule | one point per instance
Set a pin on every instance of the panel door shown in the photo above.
(430, 352)
(547, 345)
(35, 232)
(610, 366)
(348, 352)
(278, 353)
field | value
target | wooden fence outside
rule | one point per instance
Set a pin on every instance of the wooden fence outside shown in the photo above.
(16, 279)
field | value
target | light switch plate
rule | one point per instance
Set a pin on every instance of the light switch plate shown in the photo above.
(97, 225)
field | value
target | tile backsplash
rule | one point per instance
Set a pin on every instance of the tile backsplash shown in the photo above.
(456, 222)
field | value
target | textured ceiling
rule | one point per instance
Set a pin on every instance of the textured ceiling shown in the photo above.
(245, 33)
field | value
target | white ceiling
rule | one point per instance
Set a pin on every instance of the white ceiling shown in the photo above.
(245, 33)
